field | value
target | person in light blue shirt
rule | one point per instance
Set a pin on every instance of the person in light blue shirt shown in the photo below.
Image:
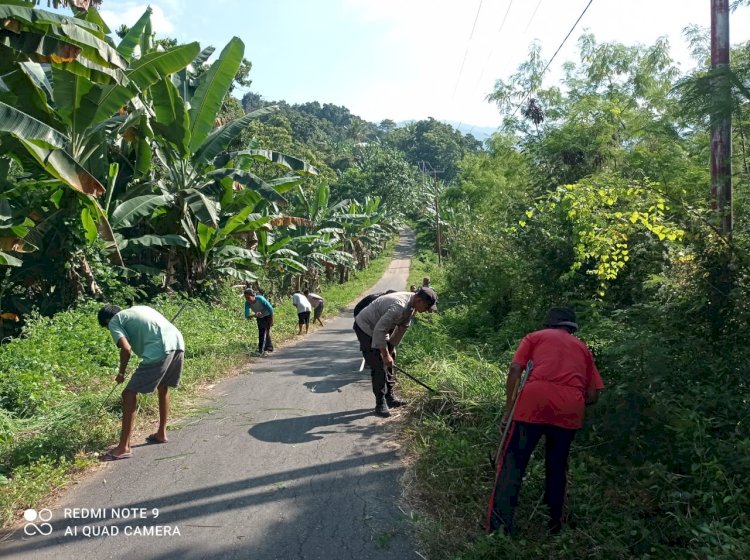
(259, 307)
(145, 332)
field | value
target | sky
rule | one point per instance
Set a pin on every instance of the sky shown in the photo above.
(412, 59)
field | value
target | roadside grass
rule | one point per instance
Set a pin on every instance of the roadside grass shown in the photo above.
(54, 380)
(658, 471)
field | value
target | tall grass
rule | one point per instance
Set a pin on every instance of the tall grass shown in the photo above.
(54, 380)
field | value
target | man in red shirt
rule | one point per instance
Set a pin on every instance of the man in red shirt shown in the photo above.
(562, 382)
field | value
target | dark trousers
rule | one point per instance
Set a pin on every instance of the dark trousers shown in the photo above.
(522, 439)
(383, 379)
(264, 334)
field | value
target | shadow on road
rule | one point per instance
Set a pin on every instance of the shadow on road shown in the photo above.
(300, 430)
(347, 485)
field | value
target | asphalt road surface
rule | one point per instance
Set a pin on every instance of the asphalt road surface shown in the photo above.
(290, 463)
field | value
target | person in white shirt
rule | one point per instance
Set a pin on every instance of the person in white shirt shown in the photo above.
(303, 310)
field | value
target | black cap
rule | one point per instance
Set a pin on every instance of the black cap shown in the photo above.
(561, 317)
(430, 296)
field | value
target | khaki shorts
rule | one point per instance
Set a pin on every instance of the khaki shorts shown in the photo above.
(150, 376)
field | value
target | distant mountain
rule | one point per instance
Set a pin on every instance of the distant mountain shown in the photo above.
(481, 133)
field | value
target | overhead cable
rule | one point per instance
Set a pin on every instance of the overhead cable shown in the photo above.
(554, 55)
(466, 52)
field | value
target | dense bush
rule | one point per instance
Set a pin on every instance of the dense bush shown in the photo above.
(659, 469)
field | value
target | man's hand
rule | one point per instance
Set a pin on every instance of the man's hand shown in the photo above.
(504, 419)
(257, 314)
(120, 378)
(387, 358)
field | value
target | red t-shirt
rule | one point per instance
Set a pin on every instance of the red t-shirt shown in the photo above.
(563, 369)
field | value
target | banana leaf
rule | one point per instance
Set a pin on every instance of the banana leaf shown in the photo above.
(155, 66)
(132, 37)
(61, 165)
(243, 275)
(26, 127)
(235, 252)
(171, 240)
(250, 180)
(8, 260)
(214, 85)
(172, 121)
(68, 92)
(220, 138)
(130, 211)
(283, 160)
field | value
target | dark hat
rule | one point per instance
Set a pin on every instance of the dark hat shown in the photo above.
(430, 296)
(561, 317)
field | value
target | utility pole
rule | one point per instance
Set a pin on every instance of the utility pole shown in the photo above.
(721, 123)
(427, 169)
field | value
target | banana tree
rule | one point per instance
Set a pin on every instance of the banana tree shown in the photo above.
(31, 128)
(320, 253)
(58, 118)
(365, 228)
(198, 182)
(278, 260)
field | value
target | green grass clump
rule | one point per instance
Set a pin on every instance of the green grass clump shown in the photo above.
(54, 379)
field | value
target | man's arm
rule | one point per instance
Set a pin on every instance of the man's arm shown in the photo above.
(125, 352)
(592, 395)
(397, 334)
(595, 384)
(385, 325)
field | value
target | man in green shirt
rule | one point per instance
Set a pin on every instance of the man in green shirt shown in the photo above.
(147, 333)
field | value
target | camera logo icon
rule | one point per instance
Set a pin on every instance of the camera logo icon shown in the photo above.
(37, 522)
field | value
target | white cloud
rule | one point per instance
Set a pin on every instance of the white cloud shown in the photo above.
(161, 18)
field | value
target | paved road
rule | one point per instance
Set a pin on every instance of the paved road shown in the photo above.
(289, 464)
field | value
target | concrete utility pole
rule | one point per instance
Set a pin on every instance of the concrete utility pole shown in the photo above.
(721, 124)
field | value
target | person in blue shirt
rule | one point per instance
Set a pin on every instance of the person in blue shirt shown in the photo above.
(259, 307)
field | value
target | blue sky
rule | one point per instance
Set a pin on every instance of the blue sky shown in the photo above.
(410, 59)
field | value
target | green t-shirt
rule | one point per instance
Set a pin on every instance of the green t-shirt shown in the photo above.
(150, 334)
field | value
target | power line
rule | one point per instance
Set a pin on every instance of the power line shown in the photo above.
(532, 16)
(466, 52)
(492, 50)
(554, 55)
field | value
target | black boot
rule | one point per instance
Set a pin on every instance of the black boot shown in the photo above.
(381, 408)
(393, 401)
